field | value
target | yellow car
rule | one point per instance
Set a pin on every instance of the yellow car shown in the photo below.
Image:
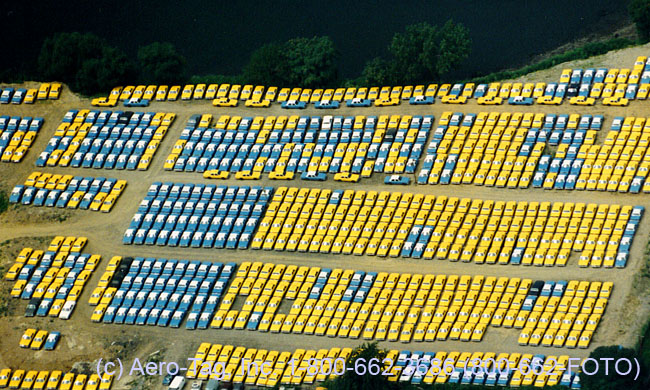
(615, 101)
(225, 102)
(126, 92)
(16, 379)
(103, 102)
(93, 382)
(96, 296)
(98, 313)
(187, 92)
(106, 382)
(257, 103)
(549, 100)
(54, 379)
(5, 375)
(216, 174)
(26, 339)
(387, 102)
(30, 96)
(170, 162)
(582, 101)
(39, 340)
(490, 100)
(144, 162)
(174, 91)
(108, 203)
(199, 91)
(43, 90)
(97, 201)
(55, 91)
(79, 382)
(585, 339)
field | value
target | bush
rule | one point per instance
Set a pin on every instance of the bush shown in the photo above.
(83, 61)
(4, 202)
(640, 13)
(307, 62)
(586, 51)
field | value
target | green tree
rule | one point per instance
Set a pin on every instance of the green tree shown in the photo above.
(378, 71)
(4, 202)
(312, 62)
(368, 374)
(83, 61)
(414, 53)
(640, 13)
(101, 74)
(600, 380)
(422, 53)
(160, 63)
(304, 62)
(267, 66)
(454, 46)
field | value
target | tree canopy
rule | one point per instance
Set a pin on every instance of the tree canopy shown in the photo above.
(640, 13)
(367, 361)
(602, 380)
(84, 61)
(307, 62)
(160, 63)
(422, 53)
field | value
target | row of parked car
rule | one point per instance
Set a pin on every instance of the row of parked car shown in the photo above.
(312, 147)
(462, 152)
(413, 225)
(29, 96)
(501, 149)
(198, 215)
(620, 164)
(614, 86)
(53, 380)
(52, 280)
(108, 140)
(39, 338)
(67, 191)
(160, 292)
(408, 307)
(16, 136)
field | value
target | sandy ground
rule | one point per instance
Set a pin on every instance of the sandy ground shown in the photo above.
(85, 341)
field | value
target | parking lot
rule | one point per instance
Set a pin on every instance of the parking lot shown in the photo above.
(105, 233)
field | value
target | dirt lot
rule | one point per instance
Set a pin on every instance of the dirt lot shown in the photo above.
(84, 341)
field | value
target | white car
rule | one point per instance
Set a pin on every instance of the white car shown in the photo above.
(67, 310)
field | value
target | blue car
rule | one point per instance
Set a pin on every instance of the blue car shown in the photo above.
(131, 316)
(165, 317)
(357, 102)
(39, 200)
(121, 315)
(521, 101)
(44, 307)
(177, 318)
(192, 320)
(6, 95)
(136, 102)
(52, 340)
(325, 104)
(19, 95)
(153, 317)
(314, 176)
(397, 180)
(204, 320)
(16, 194)
(417, 100)
(289, 104)
(143, 314)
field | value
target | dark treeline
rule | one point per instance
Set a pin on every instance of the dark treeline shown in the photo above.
(422, 53)
(89, 65)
